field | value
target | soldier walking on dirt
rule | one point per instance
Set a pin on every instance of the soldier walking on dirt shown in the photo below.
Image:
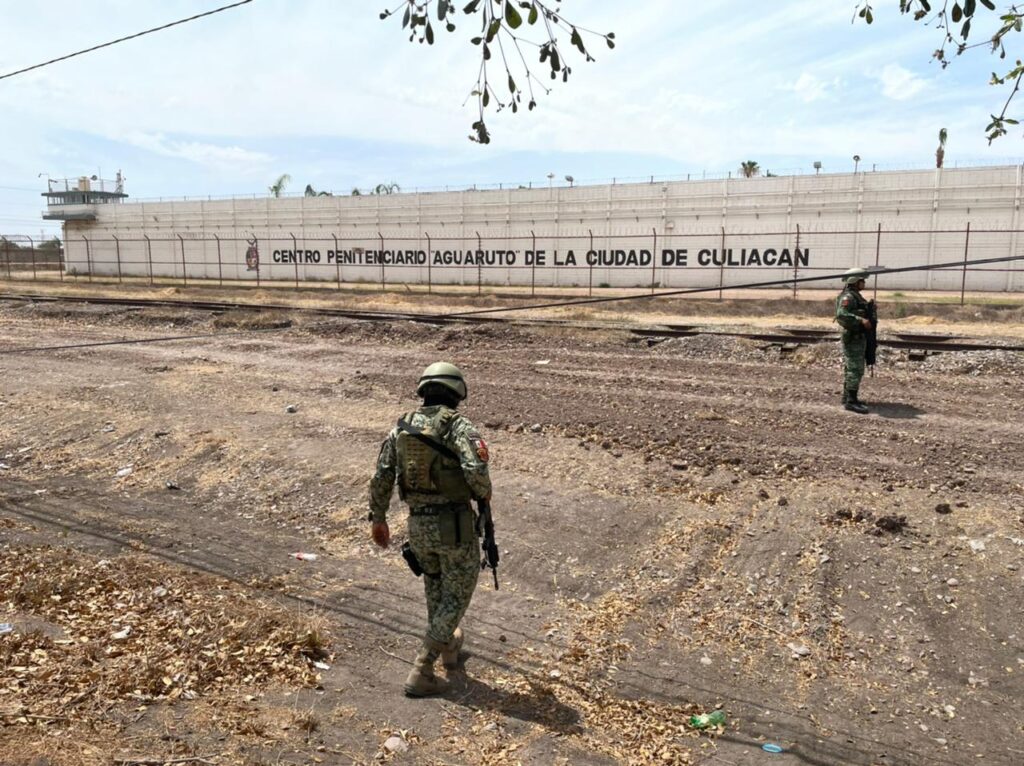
(852, 314)
(439, 461)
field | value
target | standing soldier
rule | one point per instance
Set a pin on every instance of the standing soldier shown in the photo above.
(852, 313)
(439, 460)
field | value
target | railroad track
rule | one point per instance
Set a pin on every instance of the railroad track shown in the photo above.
(786, 338)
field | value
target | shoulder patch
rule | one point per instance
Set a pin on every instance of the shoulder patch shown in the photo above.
(480, 446)
(846, 301)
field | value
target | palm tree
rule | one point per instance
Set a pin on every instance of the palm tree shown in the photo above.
(750, 168)
(311, 192)
(940, 153)
(390, 188)
(277, 188)
(356, 192)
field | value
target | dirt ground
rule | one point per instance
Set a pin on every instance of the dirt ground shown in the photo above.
(685, 525)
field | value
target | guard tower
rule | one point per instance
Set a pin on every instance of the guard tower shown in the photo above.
(69, 199)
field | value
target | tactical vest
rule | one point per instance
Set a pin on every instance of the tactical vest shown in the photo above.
(422, 470)
(859, 308)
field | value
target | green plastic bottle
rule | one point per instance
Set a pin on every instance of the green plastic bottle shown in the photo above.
(708, 720)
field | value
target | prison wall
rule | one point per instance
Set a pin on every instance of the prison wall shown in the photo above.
(678, 234)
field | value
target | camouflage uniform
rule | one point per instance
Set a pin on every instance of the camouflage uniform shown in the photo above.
(851, 308)
(441, 521)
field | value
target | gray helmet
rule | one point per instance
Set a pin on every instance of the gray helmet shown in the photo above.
(447, 375)
(854, 275)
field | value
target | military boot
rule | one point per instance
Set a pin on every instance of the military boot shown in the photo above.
(450, 653)
(853, 404)
(421, 681)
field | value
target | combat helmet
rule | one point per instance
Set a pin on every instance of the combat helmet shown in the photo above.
(854, 275)
(447, 375)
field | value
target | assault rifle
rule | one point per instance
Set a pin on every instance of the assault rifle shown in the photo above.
(871, 336)
(489, 547)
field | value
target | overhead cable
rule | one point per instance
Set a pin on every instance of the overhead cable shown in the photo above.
(871, 272)
(123, 39)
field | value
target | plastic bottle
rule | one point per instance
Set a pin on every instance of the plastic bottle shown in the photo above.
(305, 556)
(708, 720)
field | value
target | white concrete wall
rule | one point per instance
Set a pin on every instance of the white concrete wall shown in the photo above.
(923, 217)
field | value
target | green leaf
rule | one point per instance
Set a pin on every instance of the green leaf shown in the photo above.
(511, 84)
(512, 17)
(989, 4)
(407, 16)
(532, 18)
(868, 17)
(487, 97)
(926, 5)
(477, 40)
(492, 30)
(430, 34)
(576, 40)
(611, 43)
(969, 8)
(442, 9)
(471, 6)
(957, 13)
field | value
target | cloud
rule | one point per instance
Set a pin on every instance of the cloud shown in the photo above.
(900, 84)
(809, 88)
(195, 151)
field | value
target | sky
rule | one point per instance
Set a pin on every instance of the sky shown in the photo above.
(327, 92)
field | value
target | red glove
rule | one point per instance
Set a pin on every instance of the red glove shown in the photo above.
(380, 533)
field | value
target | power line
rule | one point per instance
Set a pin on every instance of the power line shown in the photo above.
(123, 39)
(871, 272)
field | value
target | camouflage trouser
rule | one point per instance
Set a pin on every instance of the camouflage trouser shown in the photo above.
(456, 569)
(854, 345)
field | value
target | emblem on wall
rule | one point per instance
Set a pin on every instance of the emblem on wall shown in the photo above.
(252, 256)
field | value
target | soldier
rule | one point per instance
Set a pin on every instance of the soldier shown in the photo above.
(852, 312)
(440, 462)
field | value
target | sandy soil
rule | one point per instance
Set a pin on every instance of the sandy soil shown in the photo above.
(685, 525)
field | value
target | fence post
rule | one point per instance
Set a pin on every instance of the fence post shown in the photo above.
(721, 268)
(654, 252)
(533, 265)
(296, 257)
(60, 259)
(479, 267)
(963, 278)
(590, 287)
(796, 260)
(429, 276)
(7, 256)
(32, 251)
(184, 268)
(337, 261)
(878, 254)
(88, 256)
(117, 249)
(149, 257)
(256, 244)
(220, 268)
(383, 286)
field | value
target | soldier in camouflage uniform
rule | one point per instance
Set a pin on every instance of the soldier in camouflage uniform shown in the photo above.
(442, 524)
(852, 312)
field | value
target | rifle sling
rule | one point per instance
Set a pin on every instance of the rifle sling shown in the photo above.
(417, 433)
